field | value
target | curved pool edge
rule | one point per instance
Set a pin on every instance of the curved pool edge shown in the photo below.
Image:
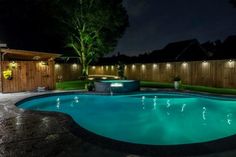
(216, 146)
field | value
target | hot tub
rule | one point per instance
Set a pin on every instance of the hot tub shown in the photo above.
(116, 86)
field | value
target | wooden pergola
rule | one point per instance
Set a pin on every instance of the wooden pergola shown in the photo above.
(30, 70)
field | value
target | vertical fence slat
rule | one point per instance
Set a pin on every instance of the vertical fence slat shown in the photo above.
(215, 73)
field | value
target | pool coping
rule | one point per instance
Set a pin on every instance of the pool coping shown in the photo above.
(195, 149)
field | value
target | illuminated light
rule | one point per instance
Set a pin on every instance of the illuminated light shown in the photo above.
(74, 65)
(204, 113)
(168, 65)
(18, 120)
(116, 85)
(231, 63)
(112, 67)
(57, 66)
(42, 63)
(90, 78)
(183, 106)
(155, 103)
(58, 103)
(36, 58)
(102, 67)
(205, 63)
(117, 77)
(125, 66)
(107, 67)
(93, 67)
(154, 66)
(133, 67)
(143, 102)
(168, 103)
(229, 118)
(13, 64)
(143, 67)
(104, 78)
(76, 99)
(184, 64)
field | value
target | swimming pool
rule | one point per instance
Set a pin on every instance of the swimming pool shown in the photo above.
(146, 118)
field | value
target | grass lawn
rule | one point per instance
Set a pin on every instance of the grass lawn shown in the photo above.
(189, 87)
(72, 85)
(80, 85)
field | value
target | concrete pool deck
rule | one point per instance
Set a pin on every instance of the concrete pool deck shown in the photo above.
(27, 133)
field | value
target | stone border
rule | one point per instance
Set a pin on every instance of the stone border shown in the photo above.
(215, 146)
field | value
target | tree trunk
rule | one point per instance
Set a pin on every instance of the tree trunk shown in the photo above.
(85, 69)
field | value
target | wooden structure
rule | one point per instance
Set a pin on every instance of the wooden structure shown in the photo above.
(213, 73)
(29, 70)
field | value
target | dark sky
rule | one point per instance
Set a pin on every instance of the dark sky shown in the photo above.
(155, 23)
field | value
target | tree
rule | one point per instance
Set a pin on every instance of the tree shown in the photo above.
(93, 27)
(233, 2)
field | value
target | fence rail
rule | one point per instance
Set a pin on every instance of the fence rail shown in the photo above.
(214, 73)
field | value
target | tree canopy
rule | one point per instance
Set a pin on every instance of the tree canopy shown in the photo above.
(93, 27)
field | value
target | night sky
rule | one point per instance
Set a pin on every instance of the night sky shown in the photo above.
(155, 23)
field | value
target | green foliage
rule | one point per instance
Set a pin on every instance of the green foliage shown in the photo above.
(72, 85)
(177, 78)
(189, 87)
(93, 27)
(121, 70)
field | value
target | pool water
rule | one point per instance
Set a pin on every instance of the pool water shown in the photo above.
(153, 119)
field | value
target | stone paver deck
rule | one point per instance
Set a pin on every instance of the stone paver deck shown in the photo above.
(36, 134)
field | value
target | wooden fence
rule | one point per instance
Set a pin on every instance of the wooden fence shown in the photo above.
(215, 73)
(27, 76)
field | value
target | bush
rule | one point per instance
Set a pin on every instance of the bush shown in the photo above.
(90, 86)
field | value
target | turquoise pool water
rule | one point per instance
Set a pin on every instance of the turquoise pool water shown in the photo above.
(154, 119)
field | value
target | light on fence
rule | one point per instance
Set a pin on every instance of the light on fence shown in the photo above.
(57, 66)
(93, 67)
(107, 67)
(184, 64)
(112, 67)
(102, 67)
(13, 64)
(125, 67)
(168, 65)
(74, 65)
(205, 63)
(42, 63)
(133, 67)
(231, 63)
(143, 67)
(154, 66)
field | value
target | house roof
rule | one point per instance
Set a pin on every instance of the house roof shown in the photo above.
(13, 54)
(182, 50)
